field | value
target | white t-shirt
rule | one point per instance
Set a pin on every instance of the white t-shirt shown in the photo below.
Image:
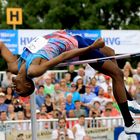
(55, 134)
(80, 132)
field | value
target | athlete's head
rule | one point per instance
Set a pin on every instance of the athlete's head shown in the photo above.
(23, 86)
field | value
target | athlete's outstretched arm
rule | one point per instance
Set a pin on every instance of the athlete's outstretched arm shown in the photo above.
(9, 58)
(38, 70)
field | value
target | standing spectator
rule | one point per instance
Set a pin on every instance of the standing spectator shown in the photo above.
(62, 133)
(74, 92)
(9, 95)
(71, 70)
(79, 128)
(3, 106)
(69, 104)
(48, 86)
(18, 104)
(40, 98)
(11, 113)
(78, 111)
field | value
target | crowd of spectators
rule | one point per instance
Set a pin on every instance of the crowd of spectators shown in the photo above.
(81, 91)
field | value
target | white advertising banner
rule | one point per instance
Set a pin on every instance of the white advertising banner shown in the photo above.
(26, 36)
(122, 41)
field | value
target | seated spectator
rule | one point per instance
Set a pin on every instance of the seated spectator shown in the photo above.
(21, 125)
(7, 80)
(94, 86)
(48, 86)
(71, 123)
(41, 124)
(100, 98)
(63, 86)
(49, 104)
(87, 97)
(71, 70)
(109, 93)
(62, 132)
(53, 77)
(95, 110)
(69, 104)
(3, 106)
(40, 97)
(11, 114)
(110, 110)
(18, 104)
(9, 95)
(3, 118)
(79, 129)
(62, 109)
(78, 111)
(67, 77)
(27, 111)
(37, 114)
(80, 87)
(74, 92)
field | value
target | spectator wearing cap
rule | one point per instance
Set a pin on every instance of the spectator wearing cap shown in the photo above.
(69, 104)
(74, 92)
(3, 106)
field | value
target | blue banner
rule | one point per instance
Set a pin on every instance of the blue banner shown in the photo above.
(10, 38)
(92, 34)
(119, 134)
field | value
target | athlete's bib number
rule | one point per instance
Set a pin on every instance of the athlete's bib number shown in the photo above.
(37, 44)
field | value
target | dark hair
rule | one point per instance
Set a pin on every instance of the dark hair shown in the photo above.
(29, 88)
(82, 116)
(76, 101)
(61, 118)
(41, 86)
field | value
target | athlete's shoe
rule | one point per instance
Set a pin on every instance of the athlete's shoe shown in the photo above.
(133, 129)
(134, 106)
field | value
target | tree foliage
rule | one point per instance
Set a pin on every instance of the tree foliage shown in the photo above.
(76, 14)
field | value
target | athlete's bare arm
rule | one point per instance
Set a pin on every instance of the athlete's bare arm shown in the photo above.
(9, 58)
(38, 70)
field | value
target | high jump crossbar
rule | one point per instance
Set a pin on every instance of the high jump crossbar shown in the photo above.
(130, 55)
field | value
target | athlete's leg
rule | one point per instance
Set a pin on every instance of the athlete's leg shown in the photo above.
(110, 52)
(132, 104)
(109, 68)
(9, 58)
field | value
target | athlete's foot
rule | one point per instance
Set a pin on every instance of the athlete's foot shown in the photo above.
(134, 106)
(133, 129)
(99, 43)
